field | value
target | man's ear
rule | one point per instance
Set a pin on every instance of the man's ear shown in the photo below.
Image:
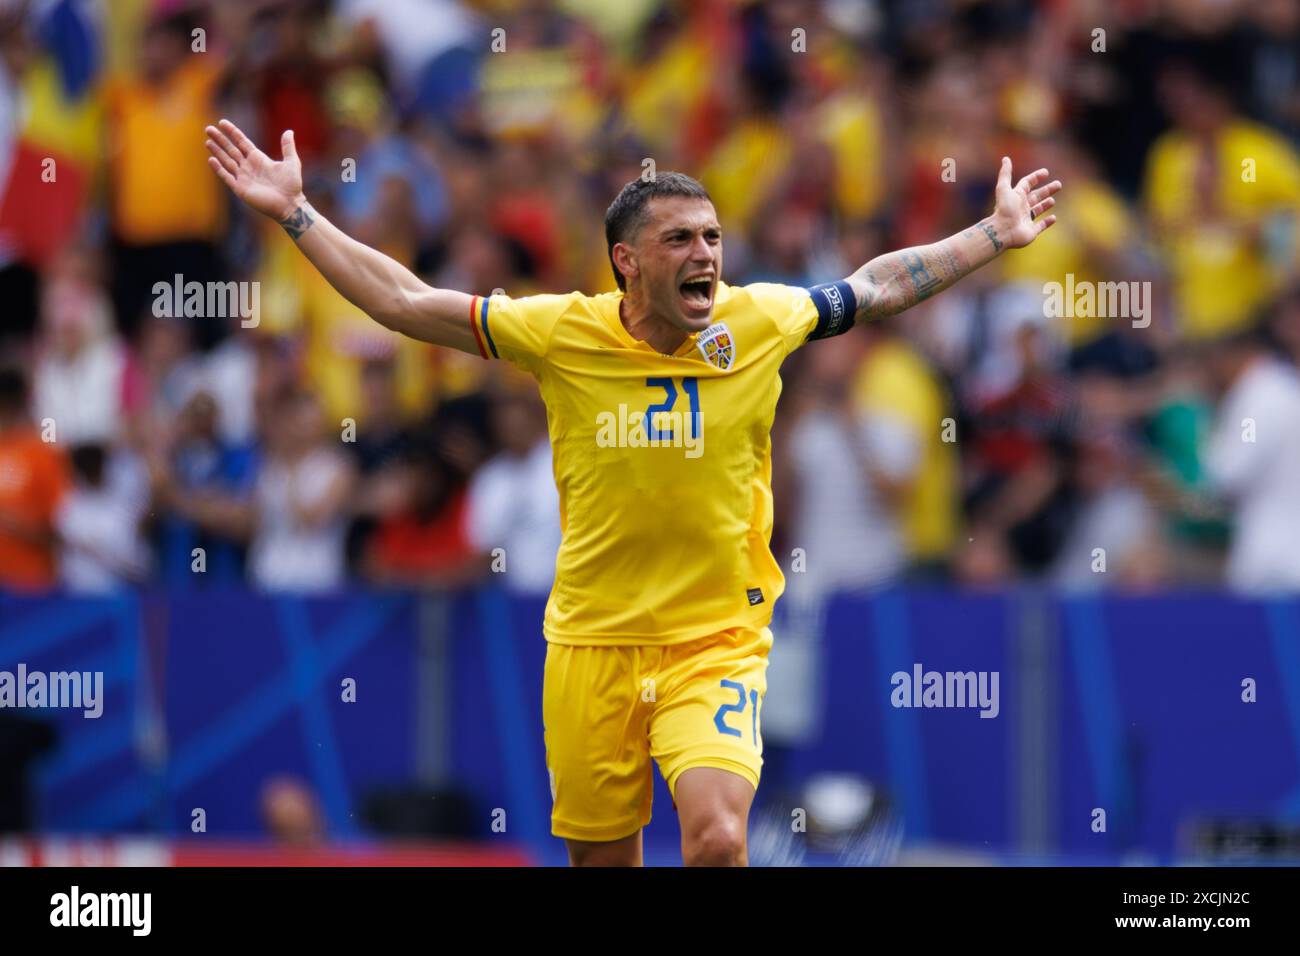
(625, 260)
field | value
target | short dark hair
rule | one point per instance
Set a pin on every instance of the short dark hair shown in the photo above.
(627, 213)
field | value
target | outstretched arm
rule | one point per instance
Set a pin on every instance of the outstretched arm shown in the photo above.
(898, 280)
(380, 286)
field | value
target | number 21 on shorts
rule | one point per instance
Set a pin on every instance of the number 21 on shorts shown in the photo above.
(720, 718)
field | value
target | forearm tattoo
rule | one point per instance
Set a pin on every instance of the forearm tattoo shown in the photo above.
(993, 236)
(299, 221)
(869, 293)
(924, 282)
(899, 280)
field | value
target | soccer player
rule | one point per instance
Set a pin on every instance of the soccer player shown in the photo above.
(659, 400)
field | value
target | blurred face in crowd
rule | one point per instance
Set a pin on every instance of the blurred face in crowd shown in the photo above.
(16, 47)
(785, 239)
(163, 51)
(198, 419)
(481, 258)
(861, 241)
(673, 263)
(1033, 350)
(421, 483)
(516, 423)
(378, 390)
(301, 425)
(394, 216)
(516, 168)
(274, 370)
(1101, 462)
(293, 26)
(831, 371)
(163, 342)
(71, 316)
(289, 811)
(1225, 361)
(1192, 103)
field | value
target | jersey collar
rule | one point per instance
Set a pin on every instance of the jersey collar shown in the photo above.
(613, 318)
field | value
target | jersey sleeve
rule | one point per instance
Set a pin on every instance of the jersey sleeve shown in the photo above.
(803, 314)
(517, 330)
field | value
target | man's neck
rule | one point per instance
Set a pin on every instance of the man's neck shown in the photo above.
(644, 326)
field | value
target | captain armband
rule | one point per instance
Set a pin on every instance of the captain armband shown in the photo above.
(836, 306)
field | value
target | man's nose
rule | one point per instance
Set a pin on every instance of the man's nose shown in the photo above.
(701, 250)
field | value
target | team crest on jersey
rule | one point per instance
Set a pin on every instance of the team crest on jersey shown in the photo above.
(717, 346)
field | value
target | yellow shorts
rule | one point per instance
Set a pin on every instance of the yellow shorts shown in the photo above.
(609, 710)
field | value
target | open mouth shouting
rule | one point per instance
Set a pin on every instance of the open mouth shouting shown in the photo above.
(697, 294)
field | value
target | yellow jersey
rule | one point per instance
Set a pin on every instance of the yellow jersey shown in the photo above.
(662, 462)
(1220, 273)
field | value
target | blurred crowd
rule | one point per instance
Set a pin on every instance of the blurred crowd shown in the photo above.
(981, 438)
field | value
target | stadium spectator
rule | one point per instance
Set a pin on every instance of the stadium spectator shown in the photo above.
(422, 540)
(291, 812)
(301, 503)
(1019, 457)
(894, 384)
(229, 374)
(101, 549)
(1254, 461)
(482, 172)
(286, 69)
(1096, 245)
(33, 482)
(198, 462)
(167, 213)
(382, 427)
(1176, 428)
(428, 45)
(383, 435)
(1272, 34)
(513, 504)
(295, 521)
(1223, 195)
(853, 469)
(1116, 537)
(80, 381)
(161, 373)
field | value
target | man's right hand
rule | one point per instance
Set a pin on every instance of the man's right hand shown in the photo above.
(273, 189)
(383, 288)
